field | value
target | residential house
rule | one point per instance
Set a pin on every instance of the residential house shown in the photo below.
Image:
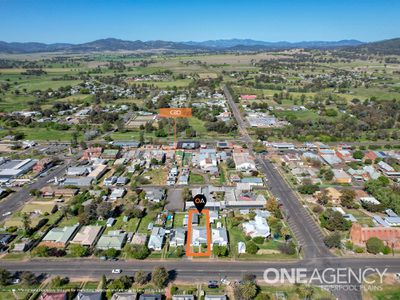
(331, 159)
(199, 236)
(178, 237)
(117, 193)
(214, 215)
(370, 155)
(156, 240)
(66, 193)
(219, 237)
(369, 200)
(150, 297)
(47, 192)
(253, 181)
(385, 167)
(126, 144)
(208, 160)
(341, 177)
(53, 296)
(89, 296)
(122, 181)
(215, 297)
(113, 239)
(243, 161)
(155, 194)
(345, 155)
(120, 161)
(59, 237)
(124, 296)
(188, 145)
(372, 173)
(257, 227)
(183, 297)
(87, 235)
(333, 193)
(110, 180)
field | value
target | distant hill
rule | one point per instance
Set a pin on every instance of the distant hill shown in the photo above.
(112, 44)
(109, 44)
(253, 44)
(31, 47)
(387, 47)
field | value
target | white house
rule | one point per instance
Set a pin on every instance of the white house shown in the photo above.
(219, 237)
(243, 161)
(156, 238)
(178, 237)
(199, 236)
(117, 193)
(257, 227)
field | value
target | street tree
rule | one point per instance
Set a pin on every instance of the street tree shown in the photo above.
(159, 277)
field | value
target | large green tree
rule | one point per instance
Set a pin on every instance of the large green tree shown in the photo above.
(159, 277)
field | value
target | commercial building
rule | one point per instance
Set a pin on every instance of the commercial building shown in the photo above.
(390, 235)
(10, 169)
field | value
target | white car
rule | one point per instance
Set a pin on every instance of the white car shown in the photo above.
(116, 271)
(6, 214)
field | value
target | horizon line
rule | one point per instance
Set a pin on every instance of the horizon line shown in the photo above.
(200, 41)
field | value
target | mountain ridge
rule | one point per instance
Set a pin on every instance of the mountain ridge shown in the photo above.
(113, 44)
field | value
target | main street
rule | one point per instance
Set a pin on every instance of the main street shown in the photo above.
(306, 231)
(193, 270)
(301, 223)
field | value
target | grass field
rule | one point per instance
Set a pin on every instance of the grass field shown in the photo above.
(196, 179)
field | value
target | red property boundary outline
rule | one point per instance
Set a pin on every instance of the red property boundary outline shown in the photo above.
(189, 234)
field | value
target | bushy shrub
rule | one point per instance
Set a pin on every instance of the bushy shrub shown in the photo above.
(333, 240)
(374, 245)
(258, 240)
(287, 248)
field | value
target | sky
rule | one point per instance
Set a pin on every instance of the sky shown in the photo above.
(79, 21)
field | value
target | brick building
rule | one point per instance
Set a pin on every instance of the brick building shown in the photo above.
(390, 235)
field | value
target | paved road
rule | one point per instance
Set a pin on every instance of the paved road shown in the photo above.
(194, 270)
(18, 199)
(301, 223)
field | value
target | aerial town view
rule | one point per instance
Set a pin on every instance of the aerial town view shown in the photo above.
(199, 150)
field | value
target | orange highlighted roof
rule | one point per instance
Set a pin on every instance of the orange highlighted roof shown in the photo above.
(189, 251)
